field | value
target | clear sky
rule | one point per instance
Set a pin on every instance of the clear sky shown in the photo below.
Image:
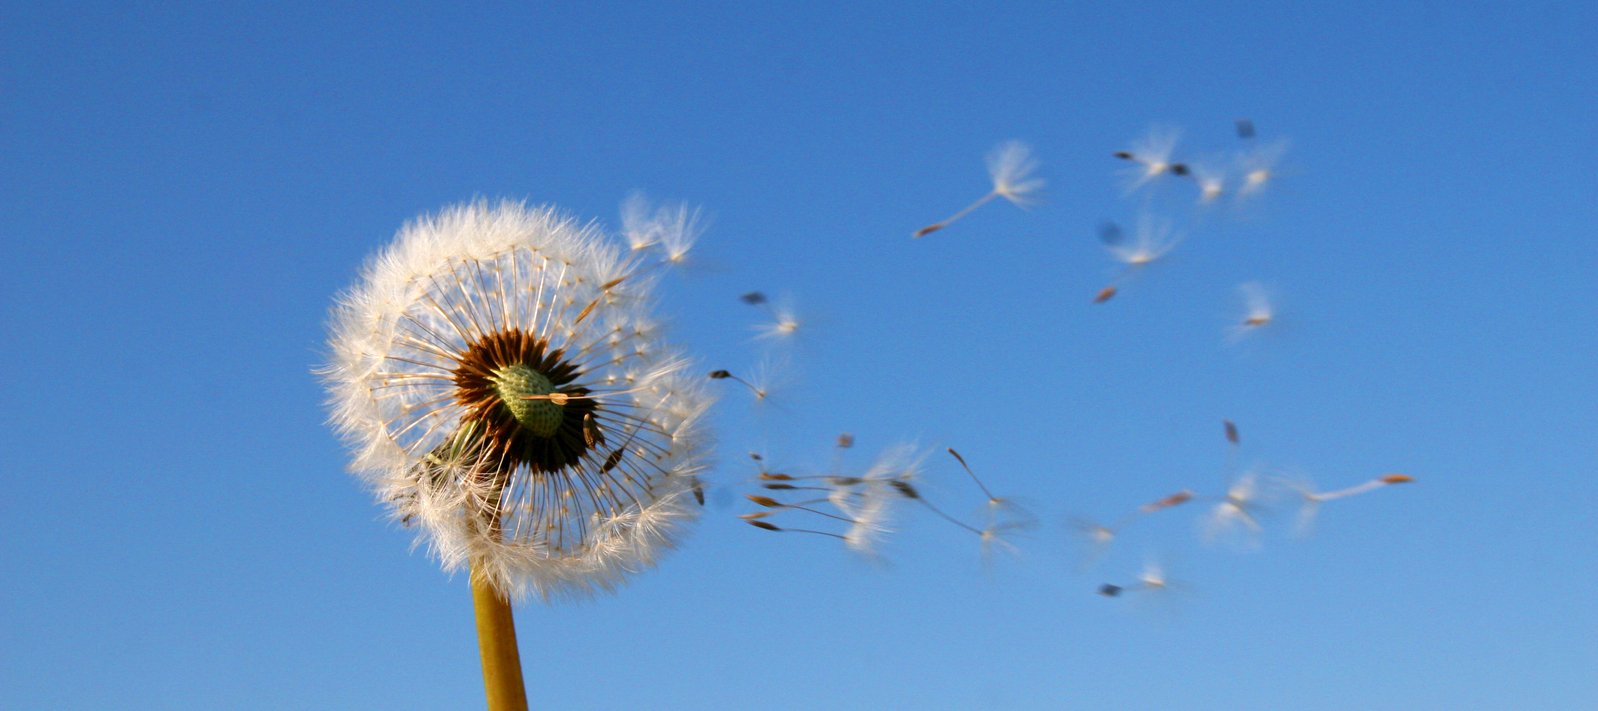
(183, 191)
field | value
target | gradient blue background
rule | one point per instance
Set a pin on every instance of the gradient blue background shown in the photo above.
(183, 191)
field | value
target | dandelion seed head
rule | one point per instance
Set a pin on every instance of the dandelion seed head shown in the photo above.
(497, 380)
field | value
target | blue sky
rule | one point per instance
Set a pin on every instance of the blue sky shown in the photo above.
(185, 189)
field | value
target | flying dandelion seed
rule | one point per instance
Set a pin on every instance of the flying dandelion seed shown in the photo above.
(865, 503)
(1151, 156)
(1176, 499)
(1237, 514)
(761, 382)
(1002, 516)
(1258, 167)
(1152, 239)
(1151, 586)
(1098, 537)
(502, 388)
(1259, 311)
(670, 229)
(1010, 166)
(757, 390)
(1210, 179)
(1310, 500)
(784, 321)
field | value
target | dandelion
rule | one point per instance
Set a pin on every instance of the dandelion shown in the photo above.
(1310, 500)
(1152, 240)
(1259, 310)
(1010, 166)
(496, 375)
(1152, 157)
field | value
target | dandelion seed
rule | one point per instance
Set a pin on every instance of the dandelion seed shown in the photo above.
(784, 321)
(864, 503)
(1237, 512)
(478, 367)
(1154, 238)
(1010, 166)
(1258, 311)
(1210, 179)
(1096, 539)
(1003, 517)
(1258, 167)
(1152, 156)
(1152, 577)
(1176, 499)
(672, 229)
(1310, 500)
(758, 391)
(1150, 241)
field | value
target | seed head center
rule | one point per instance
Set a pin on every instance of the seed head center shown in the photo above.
(514, 383)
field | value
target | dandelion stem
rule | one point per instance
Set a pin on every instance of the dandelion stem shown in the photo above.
(496, 640)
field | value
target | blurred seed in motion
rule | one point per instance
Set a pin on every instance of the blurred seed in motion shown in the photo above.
(1152, 156)
(1258, 311)
(1010, 166)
